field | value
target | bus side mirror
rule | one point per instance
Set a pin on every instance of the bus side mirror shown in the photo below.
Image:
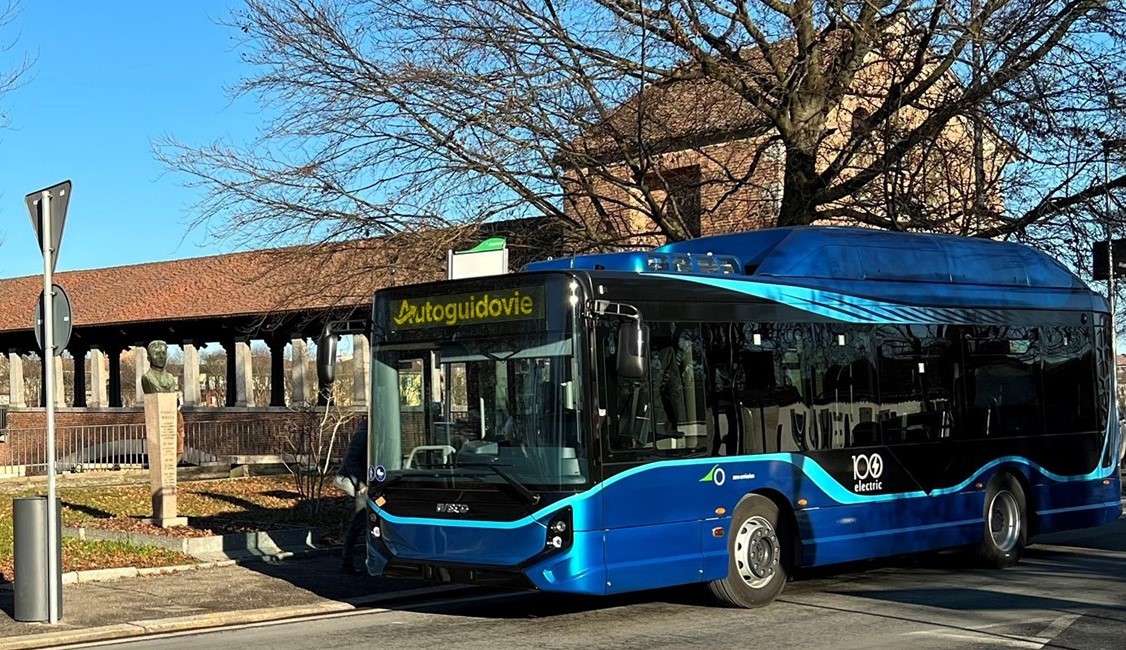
(633, 346)
(326, 357)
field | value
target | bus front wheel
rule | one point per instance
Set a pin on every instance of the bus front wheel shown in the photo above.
(759, 555)
(1006, 523)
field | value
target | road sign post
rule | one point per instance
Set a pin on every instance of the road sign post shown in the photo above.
(47, 209)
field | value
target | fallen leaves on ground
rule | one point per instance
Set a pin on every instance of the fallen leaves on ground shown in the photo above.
(213, 507)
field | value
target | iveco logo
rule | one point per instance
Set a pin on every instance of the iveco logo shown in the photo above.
(452, 508)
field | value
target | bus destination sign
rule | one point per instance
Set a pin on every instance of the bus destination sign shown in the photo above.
(496, 306)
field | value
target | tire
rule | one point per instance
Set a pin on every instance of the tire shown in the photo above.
(1005, 532)
(760, 555)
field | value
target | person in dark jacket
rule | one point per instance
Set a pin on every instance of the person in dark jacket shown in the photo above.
(354, 468)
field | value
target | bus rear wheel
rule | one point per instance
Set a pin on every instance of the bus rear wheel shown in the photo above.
(1006, 523)
(759, 556)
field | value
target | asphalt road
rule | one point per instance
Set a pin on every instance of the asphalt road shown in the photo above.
(1068, 592)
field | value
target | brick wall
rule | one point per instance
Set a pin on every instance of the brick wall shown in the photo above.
(726, 204)
(740, 180)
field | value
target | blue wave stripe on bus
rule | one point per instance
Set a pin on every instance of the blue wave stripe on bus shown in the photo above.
(842, 306)
(809, 467)
(824, 303)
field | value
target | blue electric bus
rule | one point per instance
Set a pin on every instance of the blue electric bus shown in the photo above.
(731, 409)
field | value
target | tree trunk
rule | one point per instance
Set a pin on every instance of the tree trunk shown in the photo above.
(798, 188)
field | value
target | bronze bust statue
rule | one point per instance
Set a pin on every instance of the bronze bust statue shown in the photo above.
(157, 379)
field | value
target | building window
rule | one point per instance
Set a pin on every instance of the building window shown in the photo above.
(678, 190)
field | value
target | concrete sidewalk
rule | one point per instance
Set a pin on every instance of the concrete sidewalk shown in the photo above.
(225, 593)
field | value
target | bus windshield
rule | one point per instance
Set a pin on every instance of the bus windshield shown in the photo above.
(498, 410)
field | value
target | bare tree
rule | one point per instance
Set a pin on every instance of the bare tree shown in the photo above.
(213, 375)
(314, 442)
(261, 377)
(32, 379)
(391, 117)
(12, 73)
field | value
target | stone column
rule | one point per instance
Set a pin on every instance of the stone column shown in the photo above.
(16, 398)
(190, 381)
(277, 371)
(114, 354)
(60, 381)
(232, 375)
(361, 357)
(244, 375)
(298, 371)
(141, 366)
(323, 391)
(97, 379)
(79, 377)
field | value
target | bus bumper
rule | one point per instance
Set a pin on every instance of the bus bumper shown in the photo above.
(576, 569)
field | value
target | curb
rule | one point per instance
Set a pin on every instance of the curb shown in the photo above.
(140, 628)
(103, 575)
(133, 629)
(229, 546)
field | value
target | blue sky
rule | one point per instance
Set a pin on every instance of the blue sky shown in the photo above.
(109, 78)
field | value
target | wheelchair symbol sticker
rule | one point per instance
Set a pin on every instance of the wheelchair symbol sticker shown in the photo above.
(377, 473)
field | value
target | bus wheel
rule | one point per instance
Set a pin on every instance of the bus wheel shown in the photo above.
(759, 555)
(1006, 523)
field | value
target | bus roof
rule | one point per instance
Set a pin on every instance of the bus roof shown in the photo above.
(840, 253)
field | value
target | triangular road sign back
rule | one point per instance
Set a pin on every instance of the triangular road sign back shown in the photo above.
(60, 199)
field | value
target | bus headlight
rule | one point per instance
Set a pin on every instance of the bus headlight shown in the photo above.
(373, 525)
(559, 530)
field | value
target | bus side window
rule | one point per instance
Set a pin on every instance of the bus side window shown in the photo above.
(664, 414)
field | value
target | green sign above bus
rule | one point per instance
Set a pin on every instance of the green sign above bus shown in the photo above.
(500, 305)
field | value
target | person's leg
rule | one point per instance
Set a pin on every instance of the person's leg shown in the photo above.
(352, 535)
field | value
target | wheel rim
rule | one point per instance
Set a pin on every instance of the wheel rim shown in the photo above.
(757, 553)
(1004, 521)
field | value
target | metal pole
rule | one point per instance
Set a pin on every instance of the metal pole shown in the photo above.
(1110, 287)
(49, 375)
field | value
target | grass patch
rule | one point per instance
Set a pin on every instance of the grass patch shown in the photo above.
(218, 507)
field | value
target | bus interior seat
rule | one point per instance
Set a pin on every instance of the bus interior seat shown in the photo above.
(723, 427)
(866, 434)
(916, 433)
(754, 435)
(793, 439)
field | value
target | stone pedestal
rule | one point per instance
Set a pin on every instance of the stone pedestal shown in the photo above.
(161, 439)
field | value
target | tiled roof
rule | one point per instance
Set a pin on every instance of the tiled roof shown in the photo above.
(265, 282)
(257, 282)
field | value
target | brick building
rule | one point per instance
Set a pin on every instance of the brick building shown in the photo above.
(717, 164)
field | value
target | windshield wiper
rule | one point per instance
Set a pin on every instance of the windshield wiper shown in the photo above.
(530, 496)
(407, 473)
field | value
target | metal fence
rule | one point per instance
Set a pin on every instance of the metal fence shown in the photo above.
(23, 452)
